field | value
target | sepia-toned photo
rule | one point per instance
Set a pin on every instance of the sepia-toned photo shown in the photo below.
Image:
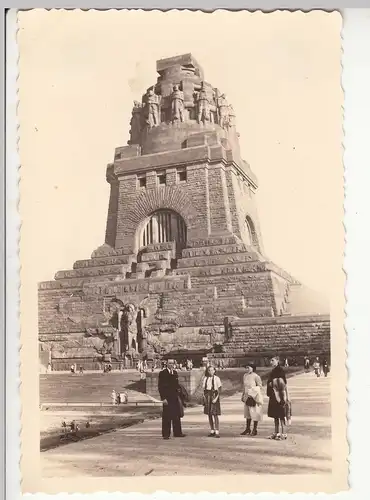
(182, 297)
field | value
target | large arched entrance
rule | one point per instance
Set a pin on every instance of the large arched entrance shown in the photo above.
(163, 226)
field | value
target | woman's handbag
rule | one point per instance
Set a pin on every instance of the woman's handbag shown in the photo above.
(250, 401)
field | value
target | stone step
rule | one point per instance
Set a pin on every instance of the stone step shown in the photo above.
(210, 251)
(254, 267)
(157, 256)
(87, 272)
(212, 260)
(147, 274)
(215, 250)
(257, 283)
(148, 266)
(159, 247)
(105, 261)
(215, 241)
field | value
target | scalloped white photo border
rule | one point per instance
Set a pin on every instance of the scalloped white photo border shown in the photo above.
(356, 85)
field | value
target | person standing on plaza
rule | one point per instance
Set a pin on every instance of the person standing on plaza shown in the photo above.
(325, 367)
(278, 407)
(317, 367)
(212, 406)
(253, 400)
(173, 410)
(306, 363)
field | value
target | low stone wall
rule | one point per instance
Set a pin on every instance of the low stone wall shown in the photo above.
(189, 379)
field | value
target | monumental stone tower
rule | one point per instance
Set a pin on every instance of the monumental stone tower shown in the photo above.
(183, 268)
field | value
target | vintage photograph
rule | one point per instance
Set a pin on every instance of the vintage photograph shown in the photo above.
(182, 294)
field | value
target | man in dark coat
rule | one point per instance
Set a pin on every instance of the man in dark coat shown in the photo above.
(168, 388)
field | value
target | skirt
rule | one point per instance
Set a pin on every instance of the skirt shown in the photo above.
(210, 408)
(255, 413)
(275, 409)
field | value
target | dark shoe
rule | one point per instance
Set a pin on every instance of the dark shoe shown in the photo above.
(211, 435)
(166, 437)
(246, 432)
(254, 432)
(217, 435)
(180, 436)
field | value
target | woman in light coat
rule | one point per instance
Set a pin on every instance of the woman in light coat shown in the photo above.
(253, 399)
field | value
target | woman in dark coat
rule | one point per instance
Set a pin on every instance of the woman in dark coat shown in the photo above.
(278, 398)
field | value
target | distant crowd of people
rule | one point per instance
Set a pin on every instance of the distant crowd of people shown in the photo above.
(142, 366)
(319, 366)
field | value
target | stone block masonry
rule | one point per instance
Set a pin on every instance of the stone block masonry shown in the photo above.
(182, 267)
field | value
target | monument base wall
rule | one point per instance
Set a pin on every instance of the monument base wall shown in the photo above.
(218, 294)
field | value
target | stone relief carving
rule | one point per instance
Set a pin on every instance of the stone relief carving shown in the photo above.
(153, 343)
(168, 321)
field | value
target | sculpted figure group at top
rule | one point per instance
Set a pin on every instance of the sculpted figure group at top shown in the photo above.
(208, 106)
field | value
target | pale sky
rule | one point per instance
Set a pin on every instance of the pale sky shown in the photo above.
(81, 71)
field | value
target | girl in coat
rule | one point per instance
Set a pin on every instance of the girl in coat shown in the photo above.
(212, 407)
(279, 407)
(252, 399)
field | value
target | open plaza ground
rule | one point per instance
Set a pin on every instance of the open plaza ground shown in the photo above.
(139, 449)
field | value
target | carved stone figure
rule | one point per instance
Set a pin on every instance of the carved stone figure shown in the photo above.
(136, 123)
(152, 108)
(223, 110)
(203, 105)
(129, 324)
(177, 104)
(112, 314)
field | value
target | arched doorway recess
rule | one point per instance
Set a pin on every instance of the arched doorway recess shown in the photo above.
(163, 226)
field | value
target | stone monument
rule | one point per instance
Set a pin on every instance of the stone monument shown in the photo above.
(182, 270)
